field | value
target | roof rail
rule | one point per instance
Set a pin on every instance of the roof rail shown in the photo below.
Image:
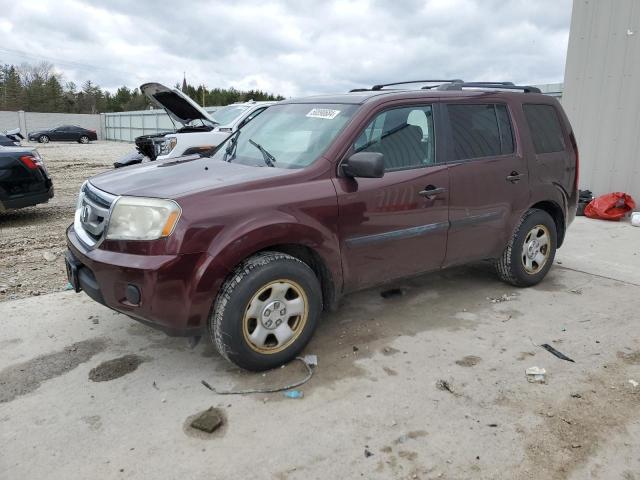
(496, 85)
(381, 86)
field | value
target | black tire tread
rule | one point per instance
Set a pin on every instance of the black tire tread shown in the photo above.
(239, 274)
(505, 263)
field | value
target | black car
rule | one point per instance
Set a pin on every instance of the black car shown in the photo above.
(24, 180)
(6, 141)
(64, 133)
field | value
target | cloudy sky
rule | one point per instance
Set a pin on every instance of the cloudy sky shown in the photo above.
(286, 46)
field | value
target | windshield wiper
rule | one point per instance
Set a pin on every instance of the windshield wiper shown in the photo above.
(230, 151)
(269, 159)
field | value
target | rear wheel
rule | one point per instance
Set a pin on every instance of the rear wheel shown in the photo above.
(266, 311)
(84, 139)
(43, 139)
(531, 250)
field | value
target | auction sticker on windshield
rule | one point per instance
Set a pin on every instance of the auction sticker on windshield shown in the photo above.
(325, 113)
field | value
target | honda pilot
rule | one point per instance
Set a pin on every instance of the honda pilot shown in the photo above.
(321, 196)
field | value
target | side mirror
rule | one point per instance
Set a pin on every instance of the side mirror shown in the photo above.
(364, 165)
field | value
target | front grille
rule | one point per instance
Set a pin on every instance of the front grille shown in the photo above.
(92, 214)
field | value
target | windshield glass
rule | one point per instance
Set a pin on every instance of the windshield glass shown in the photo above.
(228, 114)
(292, 135)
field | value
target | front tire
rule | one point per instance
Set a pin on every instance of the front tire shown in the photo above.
(266, 311)
(43, 139)
(83, 139)
(530, 251)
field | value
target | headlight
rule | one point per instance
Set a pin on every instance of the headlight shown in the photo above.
(137, 218)
(167, 145)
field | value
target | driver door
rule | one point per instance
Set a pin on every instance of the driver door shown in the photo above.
(397, 225)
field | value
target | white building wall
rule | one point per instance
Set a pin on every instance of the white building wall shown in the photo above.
(602, 93)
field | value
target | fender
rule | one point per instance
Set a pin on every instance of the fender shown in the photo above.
(241, 240)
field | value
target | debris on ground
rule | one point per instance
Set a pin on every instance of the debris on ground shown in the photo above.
(68, 286)
(576, 395)
(536, 375)
(295, 394)
(633, 383)
(208, 421)
(367, 453)
(48, 256)
(309, 361)
(503, 298)
(392, 292)
(445, 386)
(577, 291)
(555, 352)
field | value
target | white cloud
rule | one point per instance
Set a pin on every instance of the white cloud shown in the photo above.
(287, 46)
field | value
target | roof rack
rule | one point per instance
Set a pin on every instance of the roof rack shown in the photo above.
(497, 85)
(381, 86)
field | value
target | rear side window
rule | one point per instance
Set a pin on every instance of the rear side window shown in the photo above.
(545, 128)
(480, 131)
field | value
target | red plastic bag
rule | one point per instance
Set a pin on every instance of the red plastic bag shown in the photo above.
(611, 206)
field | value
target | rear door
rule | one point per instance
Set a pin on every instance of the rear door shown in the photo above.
(488, 177)
(396, 225)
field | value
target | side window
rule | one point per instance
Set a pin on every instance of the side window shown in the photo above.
(480, 131)
(545, 128)
(403, 135)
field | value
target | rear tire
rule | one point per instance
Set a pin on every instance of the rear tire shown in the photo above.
(530, 251)
(43, 139)
(266, 311)
(83, 139)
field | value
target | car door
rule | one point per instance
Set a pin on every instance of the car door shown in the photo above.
(72, 133)
(57, 133)
(396, 225)
(488, 180)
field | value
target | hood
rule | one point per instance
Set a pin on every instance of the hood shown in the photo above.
(176, 177)
(178, 106)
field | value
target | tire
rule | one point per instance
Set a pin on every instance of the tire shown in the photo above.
(251, 320)
(83, 139)
(520, 264)
(43, 139)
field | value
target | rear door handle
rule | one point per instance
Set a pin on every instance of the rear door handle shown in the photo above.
(514, 177)
(430, 191)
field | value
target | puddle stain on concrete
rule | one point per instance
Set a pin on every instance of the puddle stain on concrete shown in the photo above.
(23, 378)
(115, 368)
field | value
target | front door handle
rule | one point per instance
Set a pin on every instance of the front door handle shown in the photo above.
(431, 192)
(514, 177)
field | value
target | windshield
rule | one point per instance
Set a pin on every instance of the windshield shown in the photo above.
(292, 135)
(228, 114)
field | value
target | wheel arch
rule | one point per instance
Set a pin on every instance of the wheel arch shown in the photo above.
(556, 212)
(316, 262)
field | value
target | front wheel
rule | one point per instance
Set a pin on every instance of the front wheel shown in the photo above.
(43, 139)
(530, 251)
(266, 311)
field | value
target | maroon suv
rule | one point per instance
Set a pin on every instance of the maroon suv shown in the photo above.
(321, 196)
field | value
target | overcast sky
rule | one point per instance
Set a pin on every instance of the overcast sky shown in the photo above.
(286, 46)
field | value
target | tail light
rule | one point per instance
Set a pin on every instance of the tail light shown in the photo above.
(575, 149)
(92, 130)
(32, 163)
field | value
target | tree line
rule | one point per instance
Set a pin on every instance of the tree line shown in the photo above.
(38, 88)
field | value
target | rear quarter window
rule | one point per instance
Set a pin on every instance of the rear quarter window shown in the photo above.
(545, 128)
(482, 130)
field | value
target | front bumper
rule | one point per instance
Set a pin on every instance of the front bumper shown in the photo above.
(169, 285)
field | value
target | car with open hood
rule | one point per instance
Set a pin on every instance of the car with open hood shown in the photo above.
(197, 130)
(322, 196)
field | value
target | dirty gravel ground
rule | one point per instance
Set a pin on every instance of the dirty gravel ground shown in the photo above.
(381, 397)
(27, 234)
